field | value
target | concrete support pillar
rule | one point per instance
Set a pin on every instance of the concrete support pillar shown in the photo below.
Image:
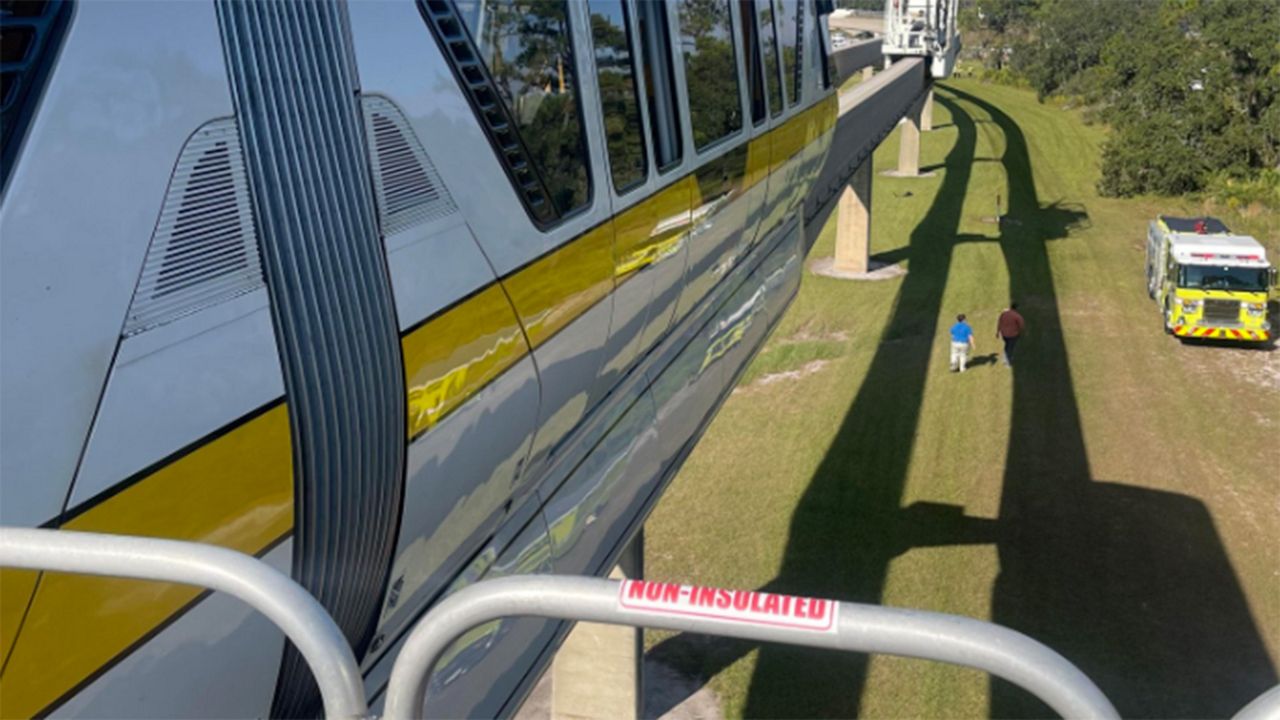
(926, 115)
(868, 72)
(597, 672)
(909, 147)
(853, 222)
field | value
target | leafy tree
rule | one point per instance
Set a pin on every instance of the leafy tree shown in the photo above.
(1191, 88)
(1068, 37)
(991, 27)
(1193, 97)
(1002, 16)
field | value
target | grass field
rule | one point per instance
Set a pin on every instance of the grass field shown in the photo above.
(1115, 495)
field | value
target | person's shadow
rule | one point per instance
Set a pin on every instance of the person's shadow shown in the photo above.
(1131, 584)
(980, 360)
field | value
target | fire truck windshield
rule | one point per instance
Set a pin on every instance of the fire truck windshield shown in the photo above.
(1218, 277)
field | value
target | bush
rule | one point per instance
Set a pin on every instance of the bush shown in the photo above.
(1002, 76)
(1150, 157)
(1237, 193)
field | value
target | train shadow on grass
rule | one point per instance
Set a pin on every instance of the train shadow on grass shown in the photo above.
(1131, 584)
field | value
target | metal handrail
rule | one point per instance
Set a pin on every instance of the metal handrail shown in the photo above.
(269, 591)
(1264, 707)
(853, 627)
(844, 626)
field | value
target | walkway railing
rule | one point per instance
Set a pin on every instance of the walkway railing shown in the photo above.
(749, 615)
(267, 590)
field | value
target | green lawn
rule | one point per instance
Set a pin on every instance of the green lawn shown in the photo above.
(1115, 495)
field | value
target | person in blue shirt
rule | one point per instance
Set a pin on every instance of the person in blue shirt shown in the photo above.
(961, 343)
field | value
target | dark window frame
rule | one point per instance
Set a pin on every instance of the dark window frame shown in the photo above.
(753, 62)
(737, 81)
(637, 77)
(664, 47)
(456, 45)
(824, 60)
(796, 79)
(801, 63)
(771, 42)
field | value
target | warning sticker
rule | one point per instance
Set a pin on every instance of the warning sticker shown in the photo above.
(739, 606)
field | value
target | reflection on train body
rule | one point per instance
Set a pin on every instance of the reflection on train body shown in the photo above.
(566, 226)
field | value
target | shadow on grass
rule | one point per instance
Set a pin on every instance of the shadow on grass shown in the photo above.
(849, 524)
(980, 360)
(1131, 584)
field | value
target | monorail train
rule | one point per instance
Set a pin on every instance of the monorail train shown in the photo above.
(396, 296)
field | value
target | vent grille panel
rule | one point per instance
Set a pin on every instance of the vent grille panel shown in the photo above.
(408, 189)
(205, 248)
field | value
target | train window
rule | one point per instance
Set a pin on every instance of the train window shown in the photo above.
(769, 41)
(755, 68)
(791, 33)
(710, 70)
(619, 100)
(527, 49)
(660, 84)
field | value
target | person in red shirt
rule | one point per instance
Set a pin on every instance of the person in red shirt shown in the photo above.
(1009, 328)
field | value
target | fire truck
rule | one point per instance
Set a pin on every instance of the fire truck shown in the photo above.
(1207, 281)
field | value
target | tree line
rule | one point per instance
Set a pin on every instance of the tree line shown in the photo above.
(1190, 88)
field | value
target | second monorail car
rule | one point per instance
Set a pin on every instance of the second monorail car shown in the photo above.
(396, 296)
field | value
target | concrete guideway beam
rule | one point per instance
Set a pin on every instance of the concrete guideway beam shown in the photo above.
(856, 56)
(868, 112)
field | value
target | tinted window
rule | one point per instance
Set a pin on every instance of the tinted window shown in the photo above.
(660, 83)
(755, 68)
(1223, 278)
(619, 102)
(769, 42)
(790, 27)
(526, 46)
(710, 69)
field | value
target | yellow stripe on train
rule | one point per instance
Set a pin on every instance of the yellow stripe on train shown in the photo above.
(235, 491)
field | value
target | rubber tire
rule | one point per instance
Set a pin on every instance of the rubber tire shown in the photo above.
(1164, 320)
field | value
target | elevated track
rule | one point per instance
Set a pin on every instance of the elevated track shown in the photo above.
(868, 113)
